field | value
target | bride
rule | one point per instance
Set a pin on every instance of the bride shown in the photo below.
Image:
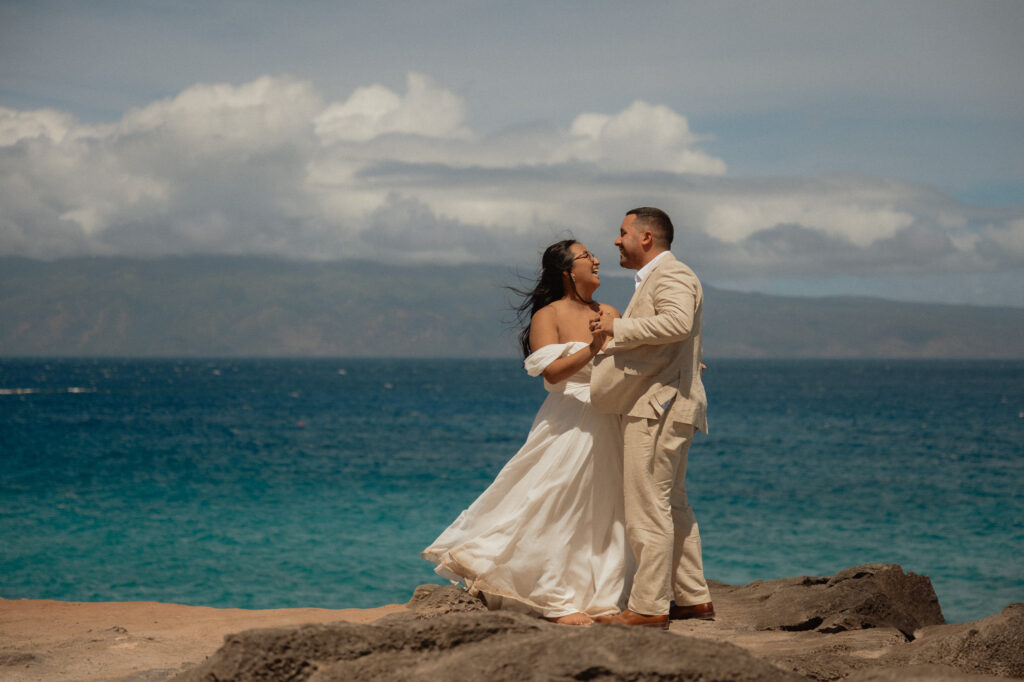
(547, 535)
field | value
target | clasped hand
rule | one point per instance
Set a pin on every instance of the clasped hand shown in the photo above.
(602, 326)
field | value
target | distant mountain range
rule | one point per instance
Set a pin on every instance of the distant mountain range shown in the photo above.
(243, 306)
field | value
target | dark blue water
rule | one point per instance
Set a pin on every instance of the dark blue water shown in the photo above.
(275, 483)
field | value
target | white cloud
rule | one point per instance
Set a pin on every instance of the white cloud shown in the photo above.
(258, 113)
(852, 212)
(1008, 238)
(425, 109)
(640, 138)
(43, 123)
(271, 167)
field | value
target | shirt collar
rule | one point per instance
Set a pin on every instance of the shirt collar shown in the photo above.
(642, 273)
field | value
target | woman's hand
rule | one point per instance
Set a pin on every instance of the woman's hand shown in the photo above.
(602, 327)
(603, 323)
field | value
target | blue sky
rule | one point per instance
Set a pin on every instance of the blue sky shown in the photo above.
(801, 147)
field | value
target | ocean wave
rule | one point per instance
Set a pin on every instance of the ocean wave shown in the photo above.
(50, 391)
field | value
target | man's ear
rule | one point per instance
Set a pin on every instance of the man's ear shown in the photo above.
(646, 238)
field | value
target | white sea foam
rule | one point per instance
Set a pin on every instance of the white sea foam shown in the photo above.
(30, 391)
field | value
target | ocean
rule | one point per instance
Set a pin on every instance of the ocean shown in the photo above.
(259, 483)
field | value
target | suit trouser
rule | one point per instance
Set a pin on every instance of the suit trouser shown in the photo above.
(660, 525)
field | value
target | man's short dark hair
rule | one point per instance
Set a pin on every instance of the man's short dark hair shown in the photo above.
(657, 221)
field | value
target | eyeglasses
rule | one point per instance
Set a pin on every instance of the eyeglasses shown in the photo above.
(586, 254)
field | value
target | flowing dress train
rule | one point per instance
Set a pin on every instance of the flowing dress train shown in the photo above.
(547, 535)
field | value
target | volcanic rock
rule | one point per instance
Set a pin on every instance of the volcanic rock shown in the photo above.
(862, 597)
(992, 646)
(919, 673)
(870, 623)
(429, 601)
(477, 646)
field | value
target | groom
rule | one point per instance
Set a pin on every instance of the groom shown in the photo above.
(650, 373)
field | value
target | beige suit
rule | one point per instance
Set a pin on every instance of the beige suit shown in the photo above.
(650, 373)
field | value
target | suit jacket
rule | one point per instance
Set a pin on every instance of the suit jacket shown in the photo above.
(652, 363)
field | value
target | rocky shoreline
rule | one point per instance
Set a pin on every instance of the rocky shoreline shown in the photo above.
(868, 623)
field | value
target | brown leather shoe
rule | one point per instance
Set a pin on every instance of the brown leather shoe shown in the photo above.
(628, 617)
(699, 611)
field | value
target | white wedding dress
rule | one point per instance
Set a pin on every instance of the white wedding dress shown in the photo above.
(547, 535)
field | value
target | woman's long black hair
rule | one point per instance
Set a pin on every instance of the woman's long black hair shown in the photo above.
(550, 287)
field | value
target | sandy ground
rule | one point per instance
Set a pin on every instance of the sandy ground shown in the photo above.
(137, 641)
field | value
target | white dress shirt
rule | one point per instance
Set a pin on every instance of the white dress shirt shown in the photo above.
(645, 270)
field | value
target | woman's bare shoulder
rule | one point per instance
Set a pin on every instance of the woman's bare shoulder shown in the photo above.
(605, 308)
(548, 312)
(544, 327)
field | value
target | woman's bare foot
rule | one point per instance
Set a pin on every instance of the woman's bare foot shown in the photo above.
(573, 619)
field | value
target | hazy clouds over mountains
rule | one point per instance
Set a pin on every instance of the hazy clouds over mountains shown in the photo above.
(224, 306)
(276, 167)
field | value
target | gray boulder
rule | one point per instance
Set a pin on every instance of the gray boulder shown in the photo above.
(477, 646)
(870, 623)
(430, 601)
(920, 673)
(991, 646)
(867, 596)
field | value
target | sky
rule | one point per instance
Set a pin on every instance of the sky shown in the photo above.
(801, 148)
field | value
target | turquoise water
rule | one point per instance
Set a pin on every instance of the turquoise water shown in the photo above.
(276, 483)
